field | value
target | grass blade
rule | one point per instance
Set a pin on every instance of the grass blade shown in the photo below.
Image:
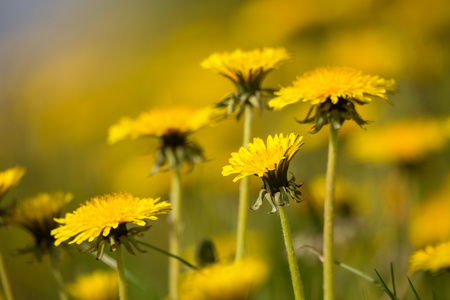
(393, 280)
(414, 290)
(386, 289)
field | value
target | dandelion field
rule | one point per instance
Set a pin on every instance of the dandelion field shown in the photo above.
(122, 125)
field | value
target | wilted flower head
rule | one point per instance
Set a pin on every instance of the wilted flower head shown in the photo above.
(333, 93)
(105, 220)
(37, 215)
(10, 178)
(171, 126)
(225, 281)
(246, 69)
(432, 259)
(98, 285)
(271, 163)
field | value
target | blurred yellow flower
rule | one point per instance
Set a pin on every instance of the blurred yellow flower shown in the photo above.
(225, 281)
(98, 285)
(247, 70)
(106, 217)
(37, 215)
(172, 126)
(430, 223)
(269, 162)
(346, 196)
(333, 93)
(405, 141)
(162, 122)
(10, 178)
(432, 258)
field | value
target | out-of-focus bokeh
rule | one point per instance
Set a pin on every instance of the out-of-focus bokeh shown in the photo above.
(71, 69)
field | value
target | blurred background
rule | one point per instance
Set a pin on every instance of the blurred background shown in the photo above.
(70, 69)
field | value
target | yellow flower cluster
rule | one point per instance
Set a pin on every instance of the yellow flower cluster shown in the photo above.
(246, 65)
(98, 285)
(225, 280)
(9, 178)
(162, 122)
(259, 158)
(334, 83)
(432, 258)
(101, 214)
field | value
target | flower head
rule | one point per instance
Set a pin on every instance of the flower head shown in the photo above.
(398, 142)
(271, 163)
(105, 219)
(225, 280)
(333, 93)
(37, 216)
(10, 178)
(432, 258)
(246, 69)
(98, 285)
(172, 126)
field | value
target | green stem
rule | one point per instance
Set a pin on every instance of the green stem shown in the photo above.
(5, 281)
(175, 233)
(185, 262)
(244, 191)
(121, 273)
(56, 272)
(328, 226)
(293, 266)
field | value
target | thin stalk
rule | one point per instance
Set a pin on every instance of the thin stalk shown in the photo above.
(293, 266)
(5, 280)
(244, 191)
(175, 233)
(185, 262)
(56, 272)
(121, 273)
(328, 226)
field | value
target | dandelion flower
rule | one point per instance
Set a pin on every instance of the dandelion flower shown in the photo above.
(37, 215)
(171, 126)
(271, 163)
(398, 142)
(105, 219)
(98, 285)
(225, 280)
(333, 93)
(432, 258)
(246, 69)
(10, 178)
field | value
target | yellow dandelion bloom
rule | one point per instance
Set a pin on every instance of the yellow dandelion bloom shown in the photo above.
(103, 214)
(259, 158)
(247, 70)
(98, 285)
(225, 280)
(271, 163)
(171, 126)
(334, 83)
(333, 93)
(162, 122)
(398, 142)
(245, 67)
(10, 178)
(432, 258)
